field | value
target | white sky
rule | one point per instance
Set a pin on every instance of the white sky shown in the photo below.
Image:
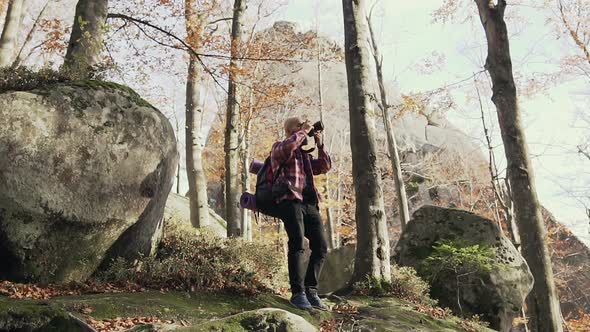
(407, 35)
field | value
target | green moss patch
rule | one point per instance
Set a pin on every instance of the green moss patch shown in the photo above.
(212, 312)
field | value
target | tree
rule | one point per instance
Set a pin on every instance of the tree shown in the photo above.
(372, 247)
(10, 31)
(20, 56)
(87, 34)
(543, 304)
(574, 16)
(232, 145)
(391, 142)
(197, 182)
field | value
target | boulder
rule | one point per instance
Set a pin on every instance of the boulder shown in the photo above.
(266, 319)
(85, 172)
(499, 294)
(178, 211)
(337, 269)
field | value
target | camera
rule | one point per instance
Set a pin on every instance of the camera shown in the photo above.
(318, 126)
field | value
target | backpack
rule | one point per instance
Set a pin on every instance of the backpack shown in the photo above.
(267, 191)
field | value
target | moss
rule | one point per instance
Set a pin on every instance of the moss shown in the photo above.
(24, 79)
(216, 312)
(131, 94)
(30, 315)
(392, 314)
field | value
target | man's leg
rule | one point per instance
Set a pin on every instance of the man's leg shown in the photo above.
(314, 231)
(292, 217)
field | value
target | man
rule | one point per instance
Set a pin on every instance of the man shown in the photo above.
(298, 209)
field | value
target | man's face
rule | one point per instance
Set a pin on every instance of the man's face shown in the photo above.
(293, 125)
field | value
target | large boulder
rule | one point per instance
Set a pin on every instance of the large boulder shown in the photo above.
(178, 212)
(85, 171)
(499, 294)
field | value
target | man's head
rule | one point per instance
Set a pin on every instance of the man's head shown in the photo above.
(292, 125)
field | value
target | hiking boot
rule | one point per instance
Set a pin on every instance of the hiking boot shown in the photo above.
(315, 301)
(300, 301)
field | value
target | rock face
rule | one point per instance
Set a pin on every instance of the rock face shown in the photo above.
(497, 295)
(337, 269)
(266, 319)
(85, 171)
(178, 211)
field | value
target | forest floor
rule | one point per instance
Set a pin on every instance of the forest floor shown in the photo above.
(182, 311)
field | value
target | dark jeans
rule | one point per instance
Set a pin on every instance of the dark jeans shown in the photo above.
(304, 220)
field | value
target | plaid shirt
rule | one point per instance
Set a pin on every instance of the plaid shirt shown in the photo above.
(297, 165)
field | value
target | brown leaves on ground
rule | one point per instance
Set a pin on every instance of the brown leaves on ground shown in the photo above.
(44, 292)
(345, 308)
(123, 323)
(344, 322)
(433, 312)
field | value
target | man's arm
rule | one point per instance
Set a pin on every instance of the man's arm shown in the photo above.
(282, 151)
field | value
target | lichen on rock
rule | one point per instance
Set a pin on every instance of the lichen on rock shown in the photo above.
(86, 163)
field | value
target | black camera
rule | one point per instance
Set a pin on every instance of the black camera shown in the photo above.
(318, 126)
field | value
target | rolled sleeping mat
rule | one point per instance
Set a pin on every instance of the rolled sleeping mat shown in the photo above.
(255, 166)
(248, 201)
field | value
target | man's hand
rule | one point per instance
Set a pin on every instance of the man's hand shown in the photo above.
(306, 126)
(319, 138)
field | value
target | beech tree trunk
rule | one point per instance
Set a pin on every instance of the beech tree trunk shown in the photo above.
(87, 34)
(232, 187)
(372, 249)
(197, 182)
(246, 216)
(20, 56)
(9, 35)
(400, 188)
(329, 210)
(542, 303)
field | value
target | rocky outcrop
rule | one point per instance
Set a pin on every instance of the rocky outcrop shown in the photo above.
(498, 294)
(337, 269)
(85, 171)
(570, 259)
(178, 211)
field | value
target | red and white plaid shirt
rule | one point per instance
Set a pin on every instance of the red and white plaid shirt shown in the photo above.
(296, 165)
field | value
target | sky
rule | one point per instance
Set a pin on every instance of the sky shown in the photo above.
(408, 35)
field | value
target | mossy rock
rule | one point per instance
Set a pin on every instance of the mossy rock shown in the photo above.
(86, 172)
(26, 315)
(216, 312)
(267, 319)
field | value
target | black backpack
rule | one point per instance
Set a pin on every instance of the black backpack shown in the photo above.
(267, 190)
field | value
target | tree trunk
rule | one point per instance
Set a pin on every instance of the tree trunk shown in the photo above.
(339, 194)
(400, 188)
(197, 183)
(329, 212)
(246, 215)
(372, 251)
(10, 31)
(543, 304)
(87, 33)
(232, 209)
(20, 56)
